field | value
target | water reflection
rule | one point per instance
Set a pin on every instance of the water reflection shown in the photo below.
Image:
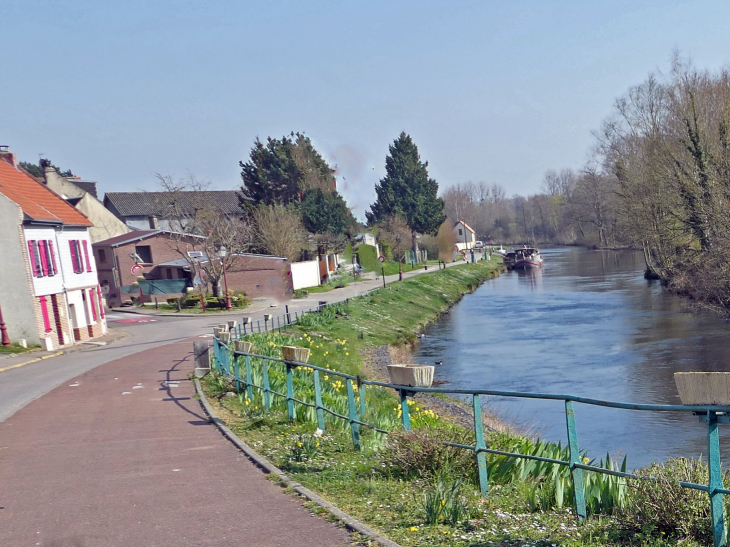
(587, 324)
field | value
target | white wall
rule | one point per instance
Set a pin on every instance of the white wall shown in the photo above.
(43, 286)
(305, 274)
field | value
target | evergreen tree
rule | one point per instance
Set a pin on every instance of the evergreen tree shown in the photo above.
(280, 170)
(325, 212)
(407, 191)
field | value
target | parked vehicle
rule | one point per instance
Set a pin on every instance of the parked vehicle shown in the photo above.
(479, 245)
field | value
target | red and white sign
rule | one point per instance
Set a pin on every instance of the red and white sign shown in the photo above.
(136, 269)
(381, 258)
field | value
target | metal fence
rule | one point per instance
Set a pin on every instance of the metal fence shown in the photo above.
(227, 361)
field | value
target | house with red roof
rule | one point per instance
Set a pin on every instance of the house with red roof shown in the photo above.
(49, 292)
(465, 236)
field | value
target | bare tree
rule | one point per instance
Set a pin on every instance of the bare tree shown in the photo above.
(278, 230)
(196, 225)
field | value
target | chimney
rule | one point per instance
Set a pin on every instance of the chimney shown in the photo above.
(8, 156)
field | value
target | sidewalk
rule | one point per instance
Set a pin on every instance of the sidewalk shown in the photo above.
(124, 455)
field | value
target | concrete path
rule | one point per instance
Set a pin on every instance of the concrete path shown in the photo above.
(123, 455)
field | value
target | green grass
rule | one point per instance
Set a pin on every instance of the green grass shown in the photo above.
(15, 348)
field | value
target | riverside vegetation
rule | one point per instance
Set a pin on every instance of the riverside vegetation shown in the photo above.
(412, 486)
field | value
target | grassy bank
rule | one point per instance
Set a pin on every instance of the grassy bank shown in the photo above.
(411, 486)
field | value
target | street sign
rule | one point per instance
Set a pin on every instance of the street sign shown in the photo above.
(136, 269)
(381, 258)
(195, 254)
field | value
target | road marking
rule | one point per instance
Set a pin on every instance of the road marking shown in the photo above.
(74, 385)
(126, 392)
(32, 361)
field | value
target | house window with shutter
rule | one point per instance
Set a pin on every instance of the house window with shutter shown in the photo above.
(76, 258)
(36, 267)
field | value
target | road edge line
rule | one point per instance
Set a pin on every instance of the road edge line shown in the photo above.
(32, 361)
(267, 467)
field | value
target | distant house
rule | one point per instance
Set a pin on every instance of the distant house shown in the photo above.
(49, 292)
(82, 195)
(465, 236)
(155, 255)
(163, 210)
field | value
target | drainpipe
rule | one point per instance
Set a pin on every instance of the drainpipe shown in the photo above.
(4, 330)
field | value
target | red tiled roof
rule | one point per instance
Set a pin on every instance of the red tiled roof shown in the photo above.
(37, 201)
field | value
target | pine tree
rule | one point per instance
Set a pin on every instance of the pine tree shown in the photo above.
(407, 191)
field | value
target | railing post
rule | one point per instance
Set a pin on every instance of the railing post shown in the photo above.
(717, 505)
(237, 372)
(249, 380)
(215, 354)
(480, 444)
(362, 399)
(267, 385)
(289, 391)
(354, 426)
(578, 490)
(405, 414)
(318, 400)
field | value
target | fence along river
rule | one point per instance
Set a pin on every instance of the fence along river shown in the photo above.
(587, 324)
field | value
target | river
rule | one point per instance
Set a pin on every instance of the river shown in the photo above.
(586, 324)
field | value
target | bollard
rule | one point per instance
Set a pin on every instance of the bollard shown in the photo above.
(201, 351)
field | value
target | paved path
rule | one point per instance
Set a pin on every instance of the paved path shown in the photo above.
(120, 457)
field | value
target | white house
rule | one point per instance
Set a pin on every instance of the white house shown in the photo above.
(465, 236)
(49, 292)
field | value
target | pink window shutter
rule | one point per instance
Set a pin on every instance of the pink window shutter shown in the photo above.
(93, 304)
(53, 257)
(74, 255)
(31, 255)
(101, 301)
(43, 256)
(44, 312)
(86, 255)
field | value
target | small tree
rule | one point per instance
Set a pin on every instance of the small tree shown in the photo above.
(408, 191)
(278, 230)
(445, 241)
(326, 212)
(196, 225)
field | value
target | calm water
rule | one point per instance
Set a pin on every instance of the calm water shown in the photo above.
(587, 324)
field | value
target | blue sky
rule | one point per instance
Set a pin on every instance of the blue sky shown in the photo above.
(492, 91)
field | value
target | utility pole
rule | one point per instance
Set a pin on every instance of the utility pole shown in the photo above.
(4, 330)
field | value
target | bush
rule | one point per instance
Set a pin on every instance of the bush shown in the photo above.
(421, 453)
(663, 508)
(301, 293)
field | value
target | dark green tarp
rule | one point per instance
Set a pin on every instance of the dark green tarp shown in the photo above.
(157, 286)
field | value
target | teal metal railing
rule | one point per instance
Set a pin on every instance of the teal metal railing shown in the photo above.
(227, 362)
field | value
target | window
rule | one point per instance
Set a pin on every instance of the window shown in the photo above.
(460, 232)
(102, 255)
(168, 272)
(42, 258)
(144, 252)
(76, 258)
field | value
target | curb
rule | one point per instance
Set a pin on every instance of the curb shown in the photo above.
(32, 361)
(267, 467)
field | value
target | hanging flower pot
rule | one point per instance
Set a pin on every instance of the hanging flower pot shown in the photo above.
(295, 353)
(243, 346)
(411, 375)
(223, 326)
(225, 337)
(217, 331)
(232, 324)
(703, 388)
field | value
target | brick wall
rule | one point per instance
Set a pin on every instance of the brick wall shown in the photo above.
(261, 276)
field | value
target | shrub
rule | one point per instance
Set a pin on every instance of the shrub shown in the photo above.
(444, 500)
(301, 293)
(662, 507)
(422, 453)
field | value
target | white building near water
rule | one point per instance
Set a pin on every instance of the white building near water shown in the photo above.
(465, 236)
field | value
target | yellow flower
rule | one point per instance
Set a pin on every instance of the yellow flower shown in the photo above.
(299, 444)
(347, 353)
(443, 502)
(256, 407)
(414, 528)
(326, 377)
(586, 460)
(317, 443)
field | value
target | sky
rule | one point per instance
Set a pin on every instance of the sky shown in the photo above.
(490, 91)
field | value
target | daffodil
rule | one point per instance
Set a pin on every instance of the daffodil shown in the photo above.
(414, 528)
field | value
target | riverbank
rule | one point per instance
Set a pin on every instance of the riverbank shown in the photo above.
(391, 484)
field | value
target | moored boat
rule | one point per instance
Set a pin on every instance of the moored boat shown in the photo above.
(523, 259)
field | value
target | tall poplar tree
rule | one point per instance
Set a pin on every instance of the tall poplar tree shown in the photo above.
(408, 191)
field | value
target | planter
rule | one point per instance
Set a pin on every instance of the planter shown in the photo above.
(294, 353)
(217, 331)
(246, 320)
(223, 326)
(411, 375)
(703, 388)
(224, 337)
(267, 317)
(242, 346)
(232, 325)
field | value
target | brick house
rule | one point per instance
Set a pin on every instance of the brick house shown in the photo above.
(48, 279)
(155, 255)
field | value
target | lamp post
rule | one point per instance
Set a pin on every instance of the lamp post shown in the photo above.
(4, 330)
(400, 269)
(222, 253)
